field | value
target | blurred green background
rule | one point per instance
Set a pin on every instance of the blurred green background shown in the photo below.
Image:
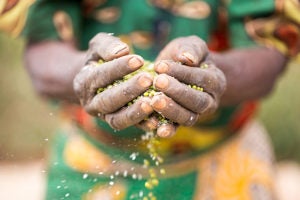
(26, 122)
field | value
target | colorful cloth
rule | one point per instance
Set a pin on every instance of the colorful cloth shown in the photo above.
(13, 14)
(222, 157)
(280, 30)
(240, 169)
(157, 24)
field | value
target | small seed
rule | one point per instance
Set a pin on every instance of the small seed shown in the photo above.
(148, 185)
(154, 182)
(162, 171)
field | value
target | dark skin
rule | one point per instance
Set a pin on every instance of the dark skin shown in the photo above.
(183, 105)
(178, 64)
(51, 75)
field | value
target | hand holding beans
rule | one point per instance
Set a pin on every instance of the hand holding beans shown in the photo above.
(181, 64)
(188, 85)
(110, 104)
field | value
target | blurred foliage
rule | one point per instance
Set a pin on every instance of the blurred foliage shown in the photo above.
(280, 113)
(27, 122)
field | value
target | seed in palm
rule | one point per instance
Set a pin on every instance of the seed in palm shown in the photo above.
(147, 67)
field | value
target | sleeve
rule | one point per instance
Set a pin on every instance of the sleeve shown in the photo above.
(53, 20)
(239, 11)
(280, 30)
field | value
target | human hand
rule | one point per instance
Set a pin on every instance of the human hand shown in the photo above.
(110, 104)
(183, 70)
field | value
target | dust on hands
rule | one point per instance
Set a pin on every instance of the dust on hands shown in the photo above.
(117, 63)
(190, 83)
(122, 91)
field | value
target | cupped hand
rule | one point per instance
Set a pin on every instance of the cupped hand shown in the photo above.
(96, 88)
(190, 84)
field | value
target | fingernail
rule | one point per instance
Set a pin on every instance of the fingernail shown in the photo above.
(146, 107)
(159, 103)
(145, 81)
(161, 67)
(161, 82)
(189, 56)
(135, 62)
(151, 124)
(166, 131)
(119, 48)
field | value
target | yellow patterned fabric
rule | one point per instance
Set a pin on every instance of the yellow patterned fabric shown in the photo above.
(281, 30)
(241, 169)
(13, 14)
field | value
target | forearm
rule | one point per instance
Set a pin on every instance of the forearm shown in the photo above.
(250, 73)
(52, 66)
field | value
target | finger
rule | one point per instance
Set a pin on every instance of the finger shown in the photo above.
(166, 130)
(107, 47)
(130, 115)
(92, 77)
(209, 77)
(149, 124)
(116, 69)
(188, 97)
(112, 99)
(191, 51)
(173, 111)
(186, 50)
